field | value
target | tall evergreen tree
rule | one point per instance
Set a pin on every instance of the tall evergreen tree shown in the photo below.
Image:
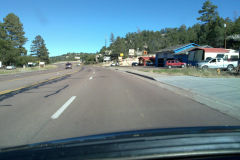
(112, 38)
(208, 12)
(212, 30)
(39, 49)
(8, 53)
(15, 32)
(3, 33)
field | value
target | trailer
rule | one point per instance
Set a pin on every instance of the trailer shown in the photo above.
(232, 55)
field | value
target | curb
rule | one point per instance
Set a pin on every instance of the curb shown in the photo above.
(148, 77)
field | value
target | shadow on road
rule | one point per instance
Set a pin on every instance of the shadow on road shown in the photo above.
(5, 105)
(25, 90)
(11, 94)
(58, 91)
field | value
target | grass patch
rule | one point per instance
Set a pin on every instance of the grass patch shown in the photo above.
(27, 69)
(144, 70)
(50, 66)
(193, 72)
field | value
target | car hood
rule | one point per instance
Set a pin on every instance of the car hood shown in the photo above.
(160, 142)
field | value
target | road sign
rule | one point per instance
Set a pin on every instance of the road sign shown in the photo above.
(121, 54)
(107, 58)
(131, 52)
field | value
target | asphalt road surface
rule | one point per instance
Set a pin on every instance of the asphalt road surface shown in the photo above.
(12, 77)
(97, 100)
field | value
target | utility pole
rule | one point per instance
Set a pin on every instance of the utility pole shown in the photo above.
(225, 41)
(105, 41)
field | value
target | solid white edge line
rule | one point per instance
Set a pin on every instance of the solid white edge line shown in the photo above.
(60, 110)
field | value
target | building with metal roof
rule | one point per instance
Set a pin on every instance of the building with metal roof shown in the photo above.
(175, 52)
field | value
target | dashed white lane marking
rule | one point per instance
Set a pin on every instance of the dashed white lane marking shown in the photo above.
(60, 110)
(90, 78)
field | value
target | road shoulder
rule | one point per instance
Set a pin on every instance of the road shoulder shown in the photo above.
(222, 105)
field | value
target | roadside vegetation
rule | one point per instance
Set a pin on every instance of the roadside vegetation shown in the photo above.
(86, 58)
(12, 41)
(211, 73)
(28, 69)
(210, 30)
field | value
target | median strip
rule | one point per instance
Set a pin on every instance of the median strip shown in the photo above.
(33, 76)
(61, 110)
(34, 84)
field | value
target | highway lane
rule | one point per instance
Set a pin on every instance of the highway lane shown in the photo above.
(23, 75)
(97, 100)
(20, 80)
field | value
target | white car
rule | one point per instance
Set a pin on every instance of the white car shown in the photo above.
(218, 63)
(10, 67)
(115, 64)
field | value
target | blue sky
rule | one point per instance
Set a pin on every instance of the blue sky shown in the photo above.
(83, 25)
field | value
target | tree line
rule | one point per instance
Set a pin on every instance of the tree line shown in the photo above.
(12, 40)
(211, 30)
(86, 58)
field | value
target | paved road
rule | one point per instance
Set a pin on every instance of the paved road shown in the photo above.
(12, 77)
(98, 100)
(18, 80)
(20, 76)
(222, 94)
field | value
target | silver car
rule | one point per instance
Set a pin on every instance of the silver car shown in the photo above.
(10, 67)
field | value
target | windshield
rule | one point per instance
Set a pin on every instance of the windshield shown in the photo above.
(84, 67)
(220, 55)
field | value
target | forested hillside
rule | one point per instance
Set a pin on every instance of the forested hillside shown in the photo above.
(211, 30)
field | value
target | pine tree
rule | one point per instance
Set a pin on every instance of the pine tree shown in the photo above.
(208, 12)
(39, 49)
(15, 33)
(112, 38)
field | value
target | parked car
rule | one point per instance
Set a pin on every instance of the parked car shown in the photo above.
(175, 63)
(209, 58)
(134, 63)
(114, 64)
(218, 63)
(149, 64)
(68, 65)
(10, 67)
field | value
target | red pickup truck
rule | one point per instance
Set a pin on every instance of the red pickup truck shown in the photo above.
(175, 63)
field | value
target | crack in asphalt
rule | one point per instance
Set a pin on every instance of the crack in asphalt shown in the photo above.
(57, 91)
(24, 90)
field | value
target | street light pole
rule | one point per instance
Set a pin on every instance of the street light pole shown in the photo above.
(225, 42)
